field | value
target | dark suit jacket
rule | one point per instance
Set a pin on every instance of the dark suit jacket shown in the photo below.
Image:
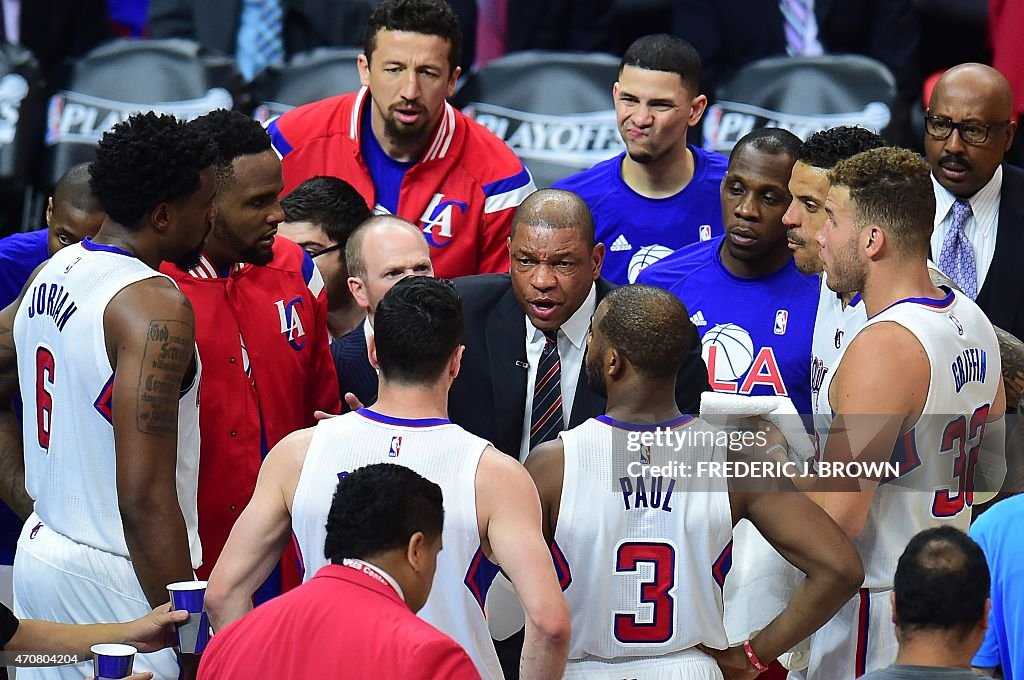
(731, 33)
(489, 395)
(583, 25)
(1002, 295)
(355, 374)
(307, 23)
(56, 29)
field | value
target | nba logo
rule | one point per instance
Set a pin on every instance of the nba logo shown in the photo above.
(396, 445)
(956, 322)
(704, 232)
(645, 455)
(781, 319)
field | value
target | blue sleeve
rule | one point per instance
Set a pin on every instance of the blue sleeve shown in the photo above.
(987, 655)
(277, 139)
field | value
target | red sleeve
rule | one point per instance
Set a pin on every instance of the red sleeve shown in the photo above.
(323, 388)
(494, 233)
(441, 657)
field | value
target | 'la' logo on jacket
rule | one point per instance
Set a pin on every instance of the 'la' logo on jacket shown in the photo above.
(291, 324)
(437, 220)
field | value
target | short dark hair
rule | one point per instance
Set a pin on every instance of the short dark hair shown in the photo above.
(328, 202)
(147, 160)
(942, 582)
(377, 508)
(73, 189)
(235, 134)
(825, 148)
(650, 326)
(769, 140)
(891, 187)
(417, 326)
(664, 52)
(427, 17)
(555, 209)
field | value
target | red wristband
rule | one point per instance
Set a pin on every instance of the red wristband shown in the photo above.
(749, 651)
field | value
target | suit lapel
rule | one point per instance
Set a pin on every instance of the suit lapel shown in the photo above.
(1004, 283)
(506, 353)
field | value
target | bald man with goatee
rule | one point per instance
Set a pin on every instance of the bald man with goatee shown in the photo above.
(979, 199)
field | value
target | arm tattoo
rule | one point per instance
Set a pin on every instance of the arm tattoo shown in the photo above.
(1011, 352)
(167, 354)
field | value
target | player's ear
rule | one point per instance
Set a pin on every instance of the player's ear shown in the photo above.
(875, 240)
(455, 363)
(417, 552)
(892, 606)
(698, 106)
(371, 351)
(161, 216)
(614, 362)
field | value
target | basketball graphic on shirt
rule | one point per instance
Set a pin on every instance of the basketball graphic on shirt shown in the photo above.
(644, 258)
(733, 349)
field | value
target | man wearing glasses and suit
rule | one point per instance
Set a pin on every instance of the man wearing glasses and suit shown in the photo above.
(979, 199)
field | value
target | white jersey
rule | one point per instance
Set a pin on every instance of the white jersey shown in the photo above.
(439, 451)
(963, 353)
(642, 558)
(835, 325)
(67, 389)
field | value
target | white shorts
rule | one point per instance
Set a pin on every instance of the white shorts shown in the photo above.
(689, 664)
(57, 579)
(859, 639)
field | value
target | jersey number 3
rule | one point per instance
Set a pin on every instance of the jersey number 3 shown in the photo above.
(959, 434)
(655, 592)
(45, 368)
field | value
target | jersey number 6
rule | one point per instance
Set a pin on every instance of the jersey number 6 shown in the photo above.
(45, 368)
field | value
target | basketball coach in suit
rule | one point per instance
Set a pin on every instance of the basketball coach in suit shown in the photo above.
(979, 198)
(522, 379)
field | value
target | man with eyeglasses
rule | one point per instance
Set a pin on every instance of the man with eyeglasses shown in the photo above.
(979, 199)
(320, 215)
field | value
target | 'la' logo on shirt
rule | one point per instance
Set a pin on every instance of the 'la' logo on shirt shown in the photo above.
(291, 324)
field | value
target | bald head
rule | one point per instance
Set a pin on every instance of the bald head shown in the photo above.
(555, 209)
(73, 212)
(981, 82)
(382, 251)
(980, 97)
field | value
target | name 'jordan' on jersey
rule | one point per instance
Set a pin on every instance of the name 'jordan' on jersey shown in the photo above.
(68, 433)
(446, 455)
(641, 558)
(937, 456)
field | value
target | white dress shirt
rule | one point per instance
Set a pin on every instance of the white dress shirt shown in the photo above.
(981, 223)
(12, 21)
(572, 346)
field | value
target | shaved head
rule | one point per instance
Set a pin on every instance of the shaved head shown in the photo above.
(555, 209)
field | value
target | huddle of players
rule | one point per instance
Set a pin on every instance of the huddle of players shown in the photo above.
(641, 560)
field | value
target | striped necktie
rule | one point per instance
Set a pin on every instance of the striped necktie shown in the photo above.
(957, 257)
(546, 418)
(260, 36)
(800, 27)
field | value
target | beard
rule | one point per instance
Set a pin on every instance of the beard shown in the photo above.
(190, 260)
(406, 135)
(846, 275)
(595, 376)
(257, 255)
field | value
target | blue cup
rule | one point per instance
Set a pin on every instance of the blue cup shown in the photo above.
(110, 661)
(194, 634)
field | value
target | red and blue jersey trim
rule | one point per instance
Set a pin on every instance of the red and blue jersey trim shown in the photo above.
(941, 303)
(721, 567)
(91, 245)
(104, 403)
(562, 570)
(863, 625)
(403, 422)
(480, 576)
(637, 427)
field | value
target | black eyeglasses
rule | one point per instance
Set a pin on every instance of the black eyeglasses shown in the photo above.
(971, 132)
(317, 253)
